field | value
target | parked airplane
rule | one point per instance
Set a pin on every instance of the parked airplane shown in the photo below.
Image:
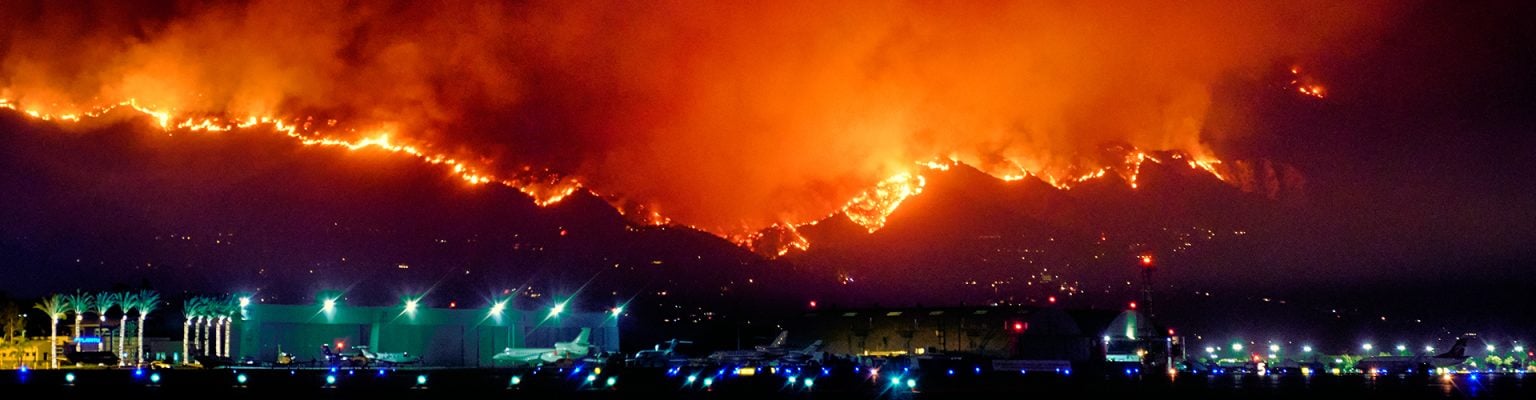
(759, 354)
(576, 348)
(660, 357)
(1421, 363)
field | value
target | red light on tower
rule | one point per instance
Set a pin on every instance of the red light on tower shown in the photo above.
(813, 303)
(1133, 305)
(1146, 260)
(1018, 326)
(1051, 299)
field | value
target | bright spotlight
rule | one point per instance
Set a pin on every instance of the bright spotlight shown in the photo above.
(1402, 348)
(498, 307)
(557, 309)
(328, 305)
(1367, 347)
(1237, 347)
(1490, 347)
(245, 301)
(410, 305)
(619, 310)
(1306, 349)
(1274, 347)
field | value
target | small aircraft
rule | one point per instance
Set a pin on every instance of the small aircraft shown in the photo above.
(1422, 363)
(361, 356)
(576, 348)
(772, 352)
(660, 357)
(803, 356)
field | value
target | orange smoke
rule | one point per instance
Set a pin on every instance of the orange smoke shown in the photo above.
(727, 116)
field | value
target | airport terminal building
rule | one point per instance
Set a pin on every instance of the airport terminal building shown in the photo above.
(446, 337)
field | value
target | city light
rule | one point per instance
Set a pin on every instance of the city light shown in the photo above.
(1402, 348)
(1274, 348)
(1209, 349)
(1306, 349)
(1367, 347)
(1519, 349)
(1237, 347)
(1429, 348)
(1490, 347)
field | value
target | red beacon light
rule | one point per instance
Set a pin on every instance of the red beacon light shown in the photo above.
(1146, 260)
(1018, 326)
(1133, 305)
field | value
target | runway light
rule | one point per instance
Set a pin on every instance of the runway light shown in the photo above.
(911, 383)
(69, 377)
(709, 382)
(330, 379)
(1402, 348)
(421, 379)
(516, 380)
(591, 377)
(154, 377)
(692, 378)
(896, 380)
(240, 379)
(612, 380)
(810, 382)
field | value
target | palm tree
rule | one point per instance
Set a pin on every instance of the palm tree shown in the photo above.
(104, 302)
(127, 302)
(55, 307)
(188, 313)
(79, 304)
(231, 311)
(148, 302)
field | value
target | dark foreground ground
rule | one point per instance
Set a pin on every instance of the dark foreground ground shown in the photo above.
(647, 384)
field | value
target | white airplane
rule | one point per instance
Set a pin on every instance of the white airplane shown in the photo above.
(576, 348)
(1420, 363)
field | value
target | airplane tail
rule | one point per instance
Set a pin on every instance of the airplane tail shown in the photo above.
(778, 342)
(581, 339)
(1458, 350)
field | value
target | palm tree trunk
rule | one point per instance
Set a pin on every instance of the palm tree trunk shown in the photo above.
(140, 357)
(227, 324)
(122, 339)
(77, 332)
(214, 328)
(53, 341)
(186, 356)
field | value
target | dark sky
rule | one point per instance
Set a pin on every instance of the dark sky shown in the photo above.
(1419, 167)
